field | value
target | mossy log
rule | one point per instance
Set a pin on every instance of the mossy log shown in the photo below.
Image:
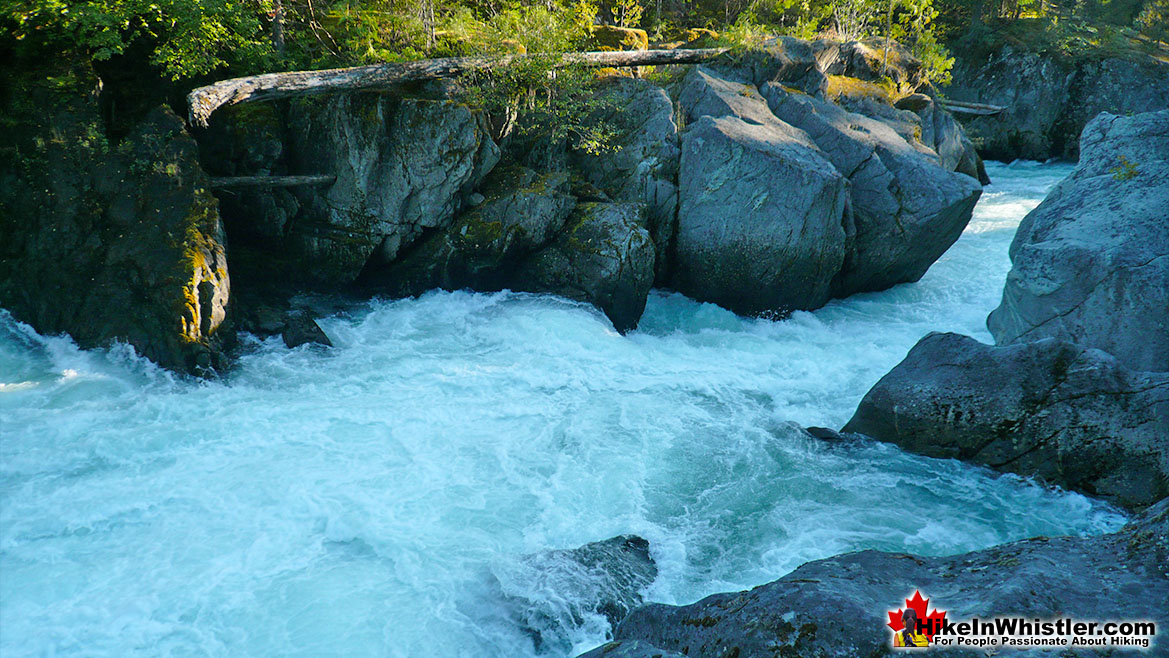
(203, 101)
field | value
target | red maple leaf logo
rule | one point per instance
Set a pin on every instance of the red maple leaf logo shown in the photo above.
(930, 623)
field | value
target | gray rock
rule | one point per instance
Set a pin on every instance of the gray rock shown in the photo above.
(782, 60)
(550, 594)
(1049, 100)
(644, 166)
(839, 606)
(302, 329)
(942, 133)
(522, 212)
(705, 93)
(403, 166)
(604, 257)
(866, 60)
(1069, 415)
(111, 245)
(906, 209)
(630, 649)
(760, 220)
(1091, 263)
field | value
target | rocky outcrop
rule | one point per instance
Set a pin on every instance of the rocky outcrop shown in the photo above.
(760, 219)
(604, 257)
(110, 244)
(1049, 100)
(1090, 264)
(403, 166)
(643, 166)
(1064, 413)
(522, 211)
(746, 210)
(838, 606)
(906, 210)
(603, 579)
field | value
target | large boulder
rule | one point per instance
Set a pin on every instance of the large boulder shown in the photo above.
(1048, 99)
(840, 606)
(1067, 414)
(1091, 263)
(522, 211)
(906, 209)
(643, 166)
(604, 580)
(760, 219)
(871, 61)
(604, 256)
(942, 133)
(782, 60)
(110, 244)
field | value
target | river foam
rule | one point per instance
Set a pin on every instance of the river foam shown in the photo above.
(375, 499)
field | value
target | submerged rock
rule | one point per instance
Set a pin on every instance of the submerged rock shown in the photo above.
(604, 257)
(838, 606)
(1091, 263)
(302, 329)
(1070, 415)
(111, 244)
(552, 593)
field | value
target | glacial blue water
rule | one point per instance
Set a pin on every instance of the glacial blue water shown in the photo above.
(376, 499)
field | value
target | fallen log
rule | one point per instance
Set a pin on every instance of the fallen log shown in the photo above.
(203, 101)
(271, 181)
(979, 109)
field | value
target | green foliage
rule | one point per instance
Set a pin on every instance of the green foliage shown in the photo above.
(1125, 170)
(558, 105)
(626, 13)
(187, 38)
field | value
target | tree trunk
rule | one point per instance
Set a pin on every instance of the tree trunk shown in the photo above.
(278, 26)
(203, 101)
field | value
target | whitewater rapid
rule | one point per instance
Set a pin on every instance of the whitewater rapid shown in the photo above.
(376, 499)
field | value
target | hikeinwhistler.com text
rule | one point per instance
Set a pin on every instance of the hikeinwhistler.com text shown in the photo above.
(1039, 633)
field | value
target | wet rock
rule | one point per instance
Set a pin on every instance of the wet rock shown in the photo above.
(1090, 264)
(302, 329)
(838, 606)
(630, 649)
(111, 244)
(604, 256)
(554, 592)
(1064, 413)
